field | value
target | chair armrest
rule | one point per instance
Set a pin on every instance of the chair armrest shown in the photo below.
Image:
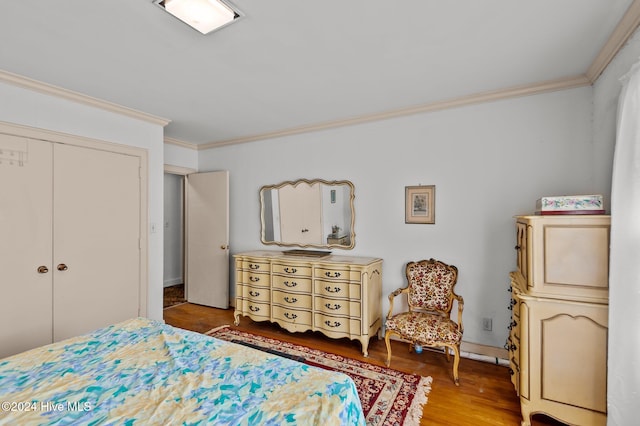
(460, 309)
(392, 296)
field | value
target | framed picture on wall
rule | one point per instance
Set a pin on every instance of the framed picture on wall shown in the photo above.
(420, 204)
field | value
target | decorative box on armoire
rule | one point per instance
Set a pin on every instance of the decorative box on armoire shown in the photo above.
(558, 333)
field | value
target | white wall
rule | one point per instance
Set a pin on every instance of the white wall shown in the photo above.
(623, 388)
(173, 230)
(489, 162)
(35, 109)
(180, 156)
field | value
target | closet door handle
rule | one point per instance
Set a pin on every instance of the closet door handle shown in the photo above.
(62, 267)
(43, 269)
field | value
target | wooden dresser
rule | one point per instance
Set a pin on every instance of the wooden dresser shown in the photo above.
(340, 296)
(558, 333)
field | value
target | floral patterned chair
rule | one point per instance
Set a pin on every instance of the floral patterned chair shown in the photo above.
(430, 299)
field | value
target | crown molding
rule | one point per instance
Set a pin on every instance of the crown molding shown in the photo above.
(491, 96)
(178, 142)
(48, 89)
(623, 31)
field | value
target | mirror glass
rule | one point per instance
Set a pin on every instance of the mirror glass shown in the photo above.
(308, 213)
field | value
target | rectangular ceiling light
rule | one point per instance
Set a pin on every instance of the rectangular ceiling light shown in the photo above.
(203, 15)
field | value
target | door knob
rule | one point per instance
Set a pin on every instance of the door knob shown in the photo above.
(223, 247)
(43, 269)
(62, 267)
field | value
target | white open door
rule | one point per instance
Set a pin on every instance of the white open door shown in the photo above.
(207, 238)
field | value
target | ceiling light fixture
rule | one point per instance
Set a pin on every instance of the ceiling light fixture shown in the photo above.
(203, 15)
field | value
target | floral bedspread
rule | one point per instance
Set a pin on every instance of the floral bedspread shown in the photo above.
(143, 372)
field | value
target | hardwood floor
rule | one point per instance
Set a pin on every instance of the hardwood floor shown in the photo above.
(485, 395)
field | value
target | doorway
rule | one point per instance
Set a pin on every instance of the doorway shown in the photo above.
(174, 260)
(196, 237)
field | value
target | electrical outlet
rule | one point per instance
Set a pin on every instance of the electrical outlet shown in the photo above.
(487, 324)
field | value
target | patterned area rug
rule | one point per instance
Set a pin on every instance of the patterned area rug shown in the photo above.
(388, 397)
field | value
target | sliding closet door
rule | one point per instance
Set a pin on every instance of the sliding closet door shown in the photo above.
(207, 238)
(25, 244)
(96, 231)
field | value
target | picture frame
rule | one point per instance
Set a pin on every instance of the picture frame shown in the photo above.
(420, 204)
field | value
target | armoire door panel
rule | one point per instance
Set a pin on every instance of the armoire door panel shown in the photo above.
(96, 232)
(25, 244)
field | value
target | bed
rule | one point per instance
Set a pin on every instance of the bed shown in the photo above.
(144, 372)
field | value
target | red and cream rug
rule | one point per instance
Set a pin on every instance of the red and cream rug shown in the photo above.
(388, 397)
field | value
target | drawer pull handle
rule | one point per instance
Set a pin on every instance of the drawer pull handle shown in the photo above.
(290, 270)
(253, 293)
(290, 316)
(254, 279)
(333, 307)
(332, 274)
(333, 324)
(42, 269)
(290, 284)
(290, 300)
(305, 230)
(254, 266)
(332, 290)
(253, 308)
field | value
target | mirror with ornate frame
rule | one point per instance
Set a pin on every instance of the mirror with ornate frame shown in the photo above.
(308, 213)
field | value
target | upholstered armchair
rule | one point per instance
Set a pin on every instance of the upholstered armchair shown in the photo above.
(428, 321)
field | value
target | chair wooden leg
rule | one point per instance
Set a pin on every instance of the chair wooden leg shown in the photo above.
(456, 362)
(387, 341)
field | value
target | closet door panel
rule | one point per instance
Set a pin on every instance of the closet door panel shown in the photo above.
(25, 244)
(96, 257)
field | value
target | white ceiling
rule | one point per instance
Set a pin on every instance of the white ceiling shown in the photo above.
(291, 64)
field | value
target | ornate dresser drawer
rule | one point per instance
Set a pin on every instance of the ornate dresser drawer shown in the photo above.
(338, 307)
(340, 296)
(296, 284)
(292, 317)
(291, 300)
(330, 325)
(337, 274)
(337, 289)
(254, 294)
(291, 270)
(254, 310)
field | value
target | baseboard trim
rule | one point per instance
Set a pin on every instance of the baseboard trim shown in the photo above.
(485, 353)
(173, 281)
